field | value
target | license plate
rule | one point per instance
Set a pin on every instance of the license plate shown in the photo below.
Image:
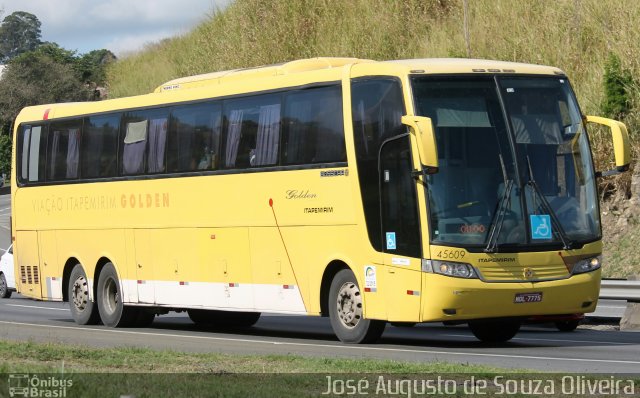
(528, 298)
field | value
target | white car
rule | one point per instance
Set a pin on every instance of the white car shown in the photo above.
(7, 275)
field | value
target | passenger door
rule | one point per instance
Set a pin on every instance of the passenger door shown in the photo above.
(400, 223)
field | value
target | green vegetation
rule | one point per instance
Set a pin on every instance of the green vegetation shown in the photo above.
(41, 72)
(19, 33)
(47, 357)
(91, 372)
(144, 372)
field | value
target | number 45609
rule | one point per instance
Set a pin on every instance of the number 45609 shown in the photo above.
(450, 254)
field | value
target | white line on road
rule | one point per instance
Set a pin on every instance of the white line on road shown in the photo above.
(334, 346)
(34, 306)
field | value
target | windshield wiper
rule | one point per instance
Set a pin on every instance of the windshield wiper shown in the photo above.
(498, 216)
(566, 242)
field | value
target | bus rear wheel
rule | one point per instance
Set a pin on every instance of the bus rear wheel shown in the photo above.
(83, 310)
(494, 330)
(113, 312)
(346, 313)
(223, 318)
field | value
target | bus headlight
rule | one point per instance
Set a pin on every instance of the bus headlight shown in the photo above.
(587, 265)
(449, 268)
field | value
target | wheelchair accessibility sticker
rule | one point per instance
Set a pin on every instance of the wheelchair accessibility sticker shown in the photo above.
(391, 240)
(540, 226)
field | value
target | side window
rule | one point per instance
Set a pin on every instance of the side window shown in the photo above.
(194, 137)
(252, 136)
(377, 108)
(144, 143)
(63, 156)
(32, 152)
(313, 127)
(100, 147)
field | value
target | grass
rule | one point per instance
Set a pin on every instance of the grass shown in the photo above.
(143, 372)
(56, 358)
(575, 35)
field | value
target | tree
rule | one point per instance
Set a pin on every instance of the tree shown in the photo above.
(19, 33)
(5, 154)
(93, 64)
(38, 78)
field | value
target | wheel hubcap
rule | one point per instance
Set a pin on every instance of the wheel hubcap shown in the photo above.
(3, 286)
(111, 296)
(80, 293)
(349, 305)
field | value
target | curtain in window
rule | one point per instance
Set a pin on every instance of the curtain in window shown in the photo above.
(299, 131)
(157, 142)
(92, 152)
(55, 145)
(134, 145)
(73, 153)
(233, 137)
(268, 135)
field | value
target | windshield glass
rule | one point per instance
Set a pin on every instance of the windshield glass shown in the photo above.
(513, 174)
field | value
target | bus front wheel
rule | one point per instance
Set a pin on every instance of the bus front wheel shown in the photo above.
(83, 310)
(112, 311)
(346, 312)
(494, 330)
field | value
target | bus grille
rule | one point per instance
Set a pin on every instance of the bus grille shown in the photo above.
(29, 275)
(516, 272)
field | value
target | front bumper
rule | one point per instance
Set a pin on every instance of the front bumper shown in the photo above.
(450, 299)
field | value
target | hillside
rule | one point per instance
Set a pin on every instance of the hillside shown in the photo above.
(577, 36)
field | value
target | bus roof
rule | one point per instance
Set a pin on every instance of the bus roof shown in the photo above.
(323, 68)
(301, 65)
(423, 65)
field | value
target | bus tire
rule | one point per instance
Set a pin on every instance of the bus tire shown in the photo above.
(4, 288)
(223, 318)
(83, 310)
(346, 312)
(494, 330)
(113, 312)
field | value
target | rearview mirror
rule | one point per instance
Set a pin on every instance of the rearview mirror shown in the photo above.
(422, 128)
(621, 148)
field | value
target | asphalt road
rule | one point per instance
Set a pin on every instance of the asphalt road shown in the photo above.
(535, 347)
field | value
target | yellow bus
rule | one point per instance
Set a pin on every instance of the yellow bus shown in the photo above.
(406, 191)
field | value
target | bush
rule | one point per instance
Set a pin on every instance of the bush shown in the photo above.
(618, 83)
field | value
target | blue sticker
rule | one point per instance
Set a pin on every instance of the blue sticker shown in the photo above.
(391, 241)
(540, 226)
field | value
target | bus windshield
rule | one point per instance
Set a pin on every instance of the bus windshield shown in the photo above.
(515, 163)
